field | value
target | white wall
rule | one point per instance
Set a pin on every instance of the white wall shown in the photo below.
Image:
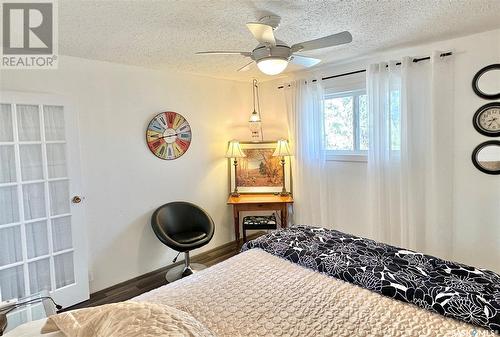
(123, 181)
(476, 231)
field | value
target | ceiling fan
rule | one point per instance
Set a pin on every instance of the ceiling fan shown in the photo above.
(272, 55)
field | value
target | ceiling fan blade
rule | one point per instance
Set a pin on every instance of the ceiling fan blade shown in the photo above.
(304, 61)
(219, 52)
(247, 66)
(323, 42)
(262, 32)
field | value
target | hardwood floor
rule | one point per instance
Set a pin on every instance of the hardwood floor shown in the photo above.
(144, 283)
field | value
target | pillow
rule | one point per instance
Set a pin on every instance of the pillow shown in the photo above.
(126, 319)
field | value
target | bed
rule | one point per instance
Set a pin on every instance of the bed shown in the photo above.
(280, 285)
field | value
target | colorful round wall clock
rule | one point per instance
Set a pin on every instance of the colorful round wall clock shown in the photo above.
(168, 135)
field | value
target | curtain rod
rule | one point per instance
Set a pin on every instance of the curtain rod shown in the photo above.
(364, 70)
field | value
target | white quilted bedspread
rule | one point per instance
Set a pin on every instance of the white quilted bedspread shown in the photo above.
(258, 294)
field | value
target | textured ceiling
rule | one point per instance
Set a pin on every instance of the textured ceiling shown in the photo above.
(166, 34)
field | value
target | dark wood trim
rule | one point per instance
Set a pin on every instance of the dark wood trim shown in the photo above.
(156, 278)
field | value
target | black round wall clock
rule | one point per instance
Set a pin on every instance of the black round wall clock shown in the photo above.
(486, 120)
(168, 135)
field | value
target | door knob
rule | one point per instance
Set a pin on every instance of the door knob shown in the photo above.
(76, 199)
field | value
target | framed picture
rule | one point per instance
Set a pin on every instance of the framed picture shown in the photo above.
(259, 171)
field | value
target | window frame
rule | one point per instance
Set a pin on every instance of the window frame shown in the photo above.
(355, 155)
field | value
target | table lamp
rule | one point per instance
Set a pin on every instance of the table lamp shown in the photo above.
(282, 150)
(234, 151)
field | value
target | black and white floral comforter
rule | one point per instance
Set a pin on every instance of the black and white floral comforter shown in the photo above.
(452, 289)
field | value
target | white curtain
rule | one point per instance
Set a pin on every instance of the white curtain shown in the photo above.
(304, 103)
(411, 153)
(384, 160)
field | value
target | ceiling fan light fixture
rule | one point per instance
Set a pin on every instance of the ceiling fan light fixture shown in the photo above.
(273, 55)
(272, 65)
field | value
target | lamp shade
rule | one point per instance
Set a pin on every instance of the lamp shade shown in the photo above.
(272, 65)
(254, 117)
(234, 150)
(282, 149)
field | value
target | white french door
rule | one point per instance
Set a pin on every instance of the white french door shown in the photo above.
(42, 237)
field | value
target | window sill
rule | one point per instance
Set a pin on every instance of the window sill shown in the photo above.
(351, 157)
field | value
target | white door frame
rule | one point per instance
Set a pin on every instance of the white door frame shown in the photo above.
(79, 291)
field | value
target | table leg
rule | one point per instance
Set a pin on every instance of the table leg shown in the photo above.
(284, 216)
(236, 216)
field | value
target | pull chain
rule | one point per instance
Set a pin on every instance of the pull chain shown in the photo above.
(258, 108)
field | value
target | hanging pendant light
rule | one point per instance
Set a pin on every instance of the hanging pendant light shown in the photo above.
(255, 121)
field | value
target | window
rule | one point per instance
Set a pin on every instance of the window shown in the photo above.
(346, 124)
(346, 121)
(395, 127)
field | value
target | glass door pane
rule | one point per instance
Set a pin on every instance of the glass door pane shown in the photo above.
(9, 205)
(31, 162)
(56, 160)
(28, 122)
(54, 123)
(12, 282)
(34, 201)
(7, 164)
(6, 134)
(37, 241)
(10, 245)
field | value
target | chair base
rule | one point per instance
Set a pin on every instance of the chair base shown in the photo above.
(178, 272)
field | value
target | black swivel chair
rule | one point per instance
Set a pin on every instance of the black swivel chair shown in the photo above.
(183, 227)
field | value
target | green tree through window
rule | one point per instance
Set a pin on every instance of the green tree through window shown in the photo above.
(346, 122)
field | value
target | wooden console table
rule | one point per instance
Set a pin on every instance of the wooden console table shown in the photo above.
(259, 202)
